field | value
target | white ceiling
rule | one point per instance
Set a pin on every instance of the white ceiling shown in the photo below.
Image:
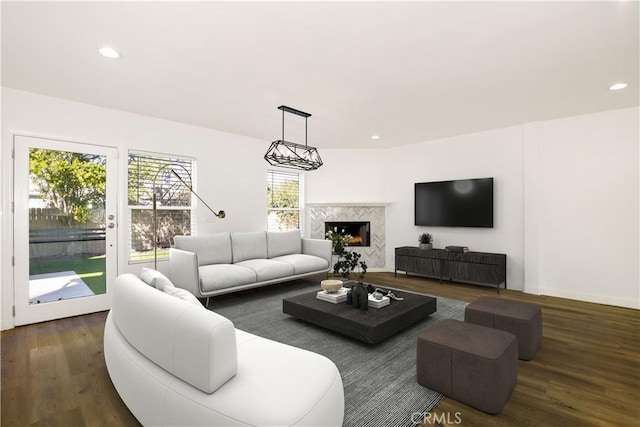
(409, 72)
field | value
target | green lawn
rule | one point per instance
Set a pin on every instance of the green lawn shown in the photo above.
(148, 255)
(90, 269)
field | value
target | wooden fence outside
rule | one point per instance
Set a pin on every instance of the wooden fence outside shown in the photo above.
(50, 235)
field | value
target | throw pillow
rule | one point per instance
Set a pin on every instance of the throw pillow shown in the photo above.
(156, 279)
(182, 294)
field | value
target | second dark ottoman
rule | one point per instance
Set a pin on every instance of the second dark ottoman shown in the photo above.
(473, 364)
(522, 319)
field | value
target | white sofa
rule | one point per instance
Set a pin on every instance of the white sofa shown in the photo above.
(215, 264)
(173, 362)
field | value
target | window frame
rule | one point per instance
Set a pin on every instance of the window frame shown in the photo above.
(300, 201)
(137, 257)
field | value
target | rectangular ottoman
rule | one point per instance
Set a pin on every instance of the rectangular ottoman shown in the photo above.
(473, 364)
(522, 319)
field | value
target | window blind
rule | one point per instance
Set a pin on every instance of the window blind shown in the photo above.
(150, 173)
(285, 199)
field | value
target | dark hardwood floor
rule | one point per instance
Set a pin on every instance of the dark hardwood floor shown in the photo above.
(586, 372)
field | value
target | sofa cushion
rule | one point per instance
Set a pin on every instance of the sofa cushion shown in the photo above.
(268, 269)
(154, 278)
(283, 243)
(222, 276)
(211, 248)
(303, 263)
(252, 245)
(194, 344)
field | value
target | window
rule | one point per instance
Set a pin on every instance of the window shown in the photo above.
(149, 171)
(284, 200)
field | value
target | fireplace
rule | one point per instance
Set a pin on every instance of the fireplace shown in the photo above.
(360, 231)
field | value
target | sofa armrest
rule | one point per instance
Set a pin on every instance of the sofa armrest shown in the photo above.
(192, 343)
(184, 270)
(318, 247)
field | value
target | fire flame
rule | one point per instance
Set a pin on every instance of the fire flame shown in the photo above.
(355, 240)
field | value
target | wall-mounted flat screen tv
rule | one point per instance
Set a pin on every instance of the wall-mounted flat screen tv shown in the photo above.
(460, 203)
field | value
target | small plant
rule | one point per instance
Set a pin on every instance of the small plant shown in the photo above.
(425, 238)
(348, 262)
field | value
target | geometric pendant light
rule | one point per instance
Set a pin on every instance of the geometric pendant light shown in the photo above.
(289, 154)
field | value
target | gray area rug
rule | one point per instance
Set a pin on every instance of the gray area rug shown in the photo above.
(379, 380)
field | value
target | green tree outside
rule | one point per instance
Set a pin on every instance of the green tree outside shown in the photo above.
(69, 182)
(282, 196)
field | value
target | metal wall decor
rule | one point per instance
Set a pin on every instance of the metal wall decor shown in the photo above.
(171, 167)
(289, 154)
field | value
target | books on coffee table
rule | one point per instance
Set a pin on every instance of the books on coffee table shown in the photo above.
(375, 303)
(341, 296)
(334, 297)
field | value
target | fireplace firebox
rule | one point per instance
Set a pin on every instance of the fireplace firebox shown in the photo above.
(360, 231)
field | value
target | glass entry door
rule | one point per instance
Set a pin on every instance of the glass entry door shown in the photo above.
(65, 228)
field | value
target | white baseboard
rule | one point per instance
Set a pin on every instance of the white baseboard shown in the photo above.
(378, 270)
(595, 298)
(7, 324)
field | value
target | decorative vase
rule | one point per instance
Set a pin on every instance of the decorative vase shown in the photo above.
(331, 286)
(427, 246)
(338, 248)
(360, 296)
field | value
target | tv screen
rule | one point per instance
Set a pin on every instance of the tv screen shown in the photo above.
(460, 203)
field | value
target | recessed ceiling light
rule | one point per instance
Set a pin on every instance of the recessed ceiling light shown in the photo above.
(109, 52)
(375, 136)
(618, 86)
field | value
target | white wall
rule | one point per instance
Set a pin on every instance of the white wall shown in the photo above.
(588, 194)
(566, 199)
(389, 176)
(566, 191)
(348, 176)
(238, 187)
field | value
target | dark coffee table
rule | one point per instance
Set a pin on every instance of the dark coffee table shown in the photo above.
(371, 326)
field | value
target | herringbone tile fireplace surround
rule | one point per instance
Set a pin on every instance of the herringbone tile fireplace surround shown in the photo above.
(374, 254)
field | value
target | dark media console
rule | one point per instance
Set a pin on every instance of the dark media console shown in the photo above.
(478, 268)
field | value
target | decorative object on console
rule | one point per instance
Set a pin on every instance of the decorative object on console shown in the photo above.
(289, 154)
(457, 248)
(170, 167)
(331, 286)
(425, 240)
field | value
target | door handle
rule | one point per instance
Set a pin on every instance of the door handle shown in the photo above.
(111, 225)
